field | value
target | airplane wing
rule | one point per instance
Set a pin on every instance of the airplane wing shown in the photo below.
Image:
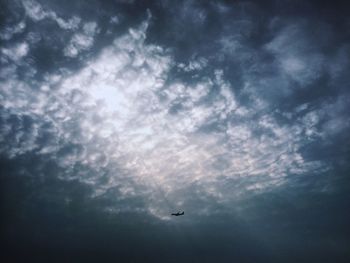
(178, 214)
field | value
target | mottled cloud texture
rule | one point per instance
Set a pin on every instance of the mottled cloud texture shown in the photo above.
(191, 105)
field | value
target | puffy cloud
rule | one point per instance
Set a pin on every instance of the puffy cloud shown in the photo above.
(81, 41)
(16, 52)
(37, 13)
(122, 111)
(226, 111)
(197, 64)
(8, 32)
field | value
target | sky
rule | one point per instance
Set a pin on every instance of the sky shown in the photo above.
(115, 114)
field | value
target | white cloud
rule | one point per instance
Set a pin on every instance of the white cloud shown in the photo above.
(197, 64)
(8, 32)
(71, 23)
(114, 114)
(16, 52)
(37, 13)
(81, 41)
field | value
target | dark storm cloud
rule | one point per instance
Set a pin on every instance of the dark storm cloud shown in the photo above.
(115, 113)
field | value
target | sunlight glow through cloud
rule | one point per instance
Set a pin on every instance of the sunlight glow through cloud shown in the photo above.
(125, 86)
(127, 115)
(117, 114)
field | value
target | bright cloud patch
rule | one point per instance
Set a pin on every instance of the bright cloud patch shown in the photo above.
(16, 52)
(117, 112)
(37, 13)
(81, 41)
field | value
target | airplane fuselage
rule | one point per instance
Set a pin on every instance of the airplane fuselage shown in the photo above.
(178, 214)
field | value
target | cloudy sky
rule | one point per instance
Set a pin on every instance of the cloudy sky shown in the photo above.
(114, 114)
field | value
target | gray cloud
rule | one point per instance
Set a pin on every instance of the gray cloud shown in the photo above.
(118, 111)
(236, 113)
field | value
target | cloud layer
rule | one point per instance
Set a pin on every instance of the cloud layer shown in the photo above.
(123, 109)
(235, 112)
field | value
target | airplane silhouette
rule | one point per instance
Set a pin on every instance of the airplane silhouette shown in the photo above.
(178, 214)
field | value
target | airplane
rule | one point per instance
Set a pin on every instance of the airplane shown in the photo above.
(178, 214)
